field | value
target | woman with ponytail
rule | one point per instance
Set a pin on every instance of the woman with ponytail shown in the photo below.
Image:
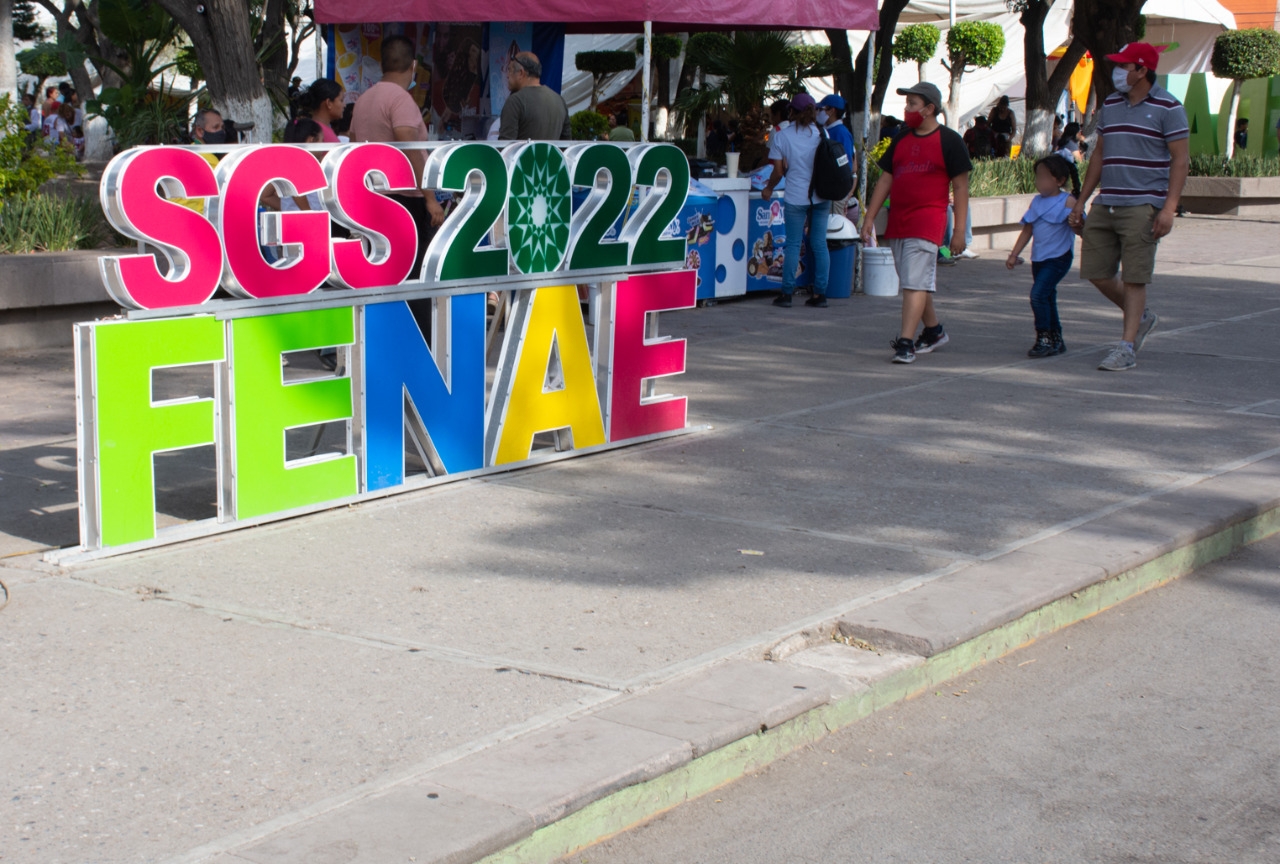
(1053, 251)
(323, 103)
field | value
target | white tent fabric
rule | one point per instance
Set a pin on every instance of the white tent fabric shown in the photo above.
(1188, 26)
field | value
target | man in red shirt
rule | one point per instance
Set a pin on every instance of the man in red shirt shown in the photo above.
(923, 167)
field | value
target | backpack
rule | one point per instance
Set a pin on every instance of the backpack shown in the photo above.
(832, 170)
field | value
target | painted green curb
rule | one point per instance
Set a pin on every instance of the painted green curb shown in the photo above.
(629, 807)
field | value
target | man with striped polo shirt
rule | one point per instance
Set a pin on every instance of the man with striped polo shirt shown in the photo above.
(1138, 166)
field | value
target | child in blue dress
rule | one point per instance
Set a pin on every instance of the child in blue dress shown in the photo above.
(1053, 250)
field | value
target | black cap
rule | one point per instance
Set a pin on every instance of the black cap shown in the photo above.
(926, 91)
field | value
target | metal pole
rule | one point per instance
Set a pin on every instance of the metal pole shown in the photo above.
(952, 4)
(320, 50)
(645, 96)
(865, 160)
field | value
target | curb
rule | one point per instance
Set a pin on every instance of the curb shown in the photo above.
(630, 807)
(557, 790)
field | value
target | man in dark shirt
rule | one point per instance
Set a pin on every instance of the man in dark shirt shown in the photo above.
(533, 112)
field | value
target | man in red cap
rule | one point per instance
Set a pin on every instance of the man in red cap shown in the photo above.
(1138, 167)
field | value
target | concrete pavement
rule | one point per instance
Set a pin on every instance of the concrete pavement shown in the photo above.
(1143, 734)
(557, 653)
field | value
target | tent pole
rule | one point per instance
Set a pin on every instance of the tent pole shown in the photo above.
(866, 147)
(645, 96)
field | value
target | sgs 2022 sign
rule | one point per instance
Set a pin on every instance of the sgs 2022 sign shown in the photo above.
(469, 392)
(514, 217)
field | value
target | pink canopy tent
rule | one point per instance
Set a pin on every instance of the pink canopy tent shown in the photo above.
(588, 16)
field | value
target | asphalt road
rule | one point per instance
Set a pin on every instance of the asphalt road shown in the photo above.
(1150, 733)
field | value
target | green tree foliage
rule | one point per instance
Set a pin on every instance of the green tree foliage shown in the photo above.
(1245, 54)
(979, 44)
(663, 46)
(144, 34)
(970, 44)
(702, 47)
(602, 64)
(26, 27)
(1241, 55)
(43, 60)
(916, 43)
(589, 126)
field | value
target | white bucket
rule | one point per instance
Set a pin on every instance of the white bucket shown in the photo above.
(879, 276)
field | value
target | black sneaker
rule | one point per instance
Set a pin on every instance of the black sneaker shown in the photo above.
(930, 338)
(1044, 346)
(783, 300)
(904, 351)
(819, 300)
(1059, 347)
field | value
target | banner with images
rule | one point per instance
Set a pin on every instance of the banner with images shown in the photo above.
(506, 40)
(357, 49)
(459, 71)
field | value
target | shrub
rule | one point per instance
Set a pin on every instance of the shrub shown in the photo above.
(1245, 54)
(25, 165)
(1206, 165)
(662, 46)
(975, 43)
(916, 43)
(38, 222)
(589, 126)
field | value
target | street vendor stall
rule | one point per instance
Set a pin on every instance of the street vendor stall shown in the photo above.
(460, 56)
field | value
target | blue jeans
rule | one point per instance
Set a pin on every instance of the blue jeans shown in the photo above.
(795, 215)
(951, 226)
(1044, 290)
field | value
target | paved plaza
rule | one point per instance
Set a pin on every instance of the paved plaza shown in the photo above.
(313, 687)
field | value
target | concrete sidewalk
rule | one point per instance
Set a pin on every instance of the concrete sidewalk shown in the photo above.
(545, 657)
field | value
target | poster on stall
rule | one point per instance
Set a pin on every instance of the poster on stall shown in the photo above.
(458, 70)
(505, 42)
(359, 56)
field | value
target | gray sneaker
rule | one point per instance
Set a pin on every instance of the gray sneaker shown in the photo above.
(1120, 358)
(1145, 326)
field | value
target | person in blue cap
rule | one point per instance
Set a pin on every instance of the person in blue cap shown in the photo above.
(831, 112)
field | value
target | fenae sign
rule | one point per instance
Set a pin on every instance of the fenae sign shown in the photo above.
(558, 384)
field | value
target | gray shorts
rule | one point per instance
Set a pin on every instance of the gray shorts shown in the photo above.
(916, 261)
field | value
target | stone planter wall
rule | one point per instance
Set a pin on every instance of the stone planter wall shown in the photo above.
(43, 294)
(1233, 196)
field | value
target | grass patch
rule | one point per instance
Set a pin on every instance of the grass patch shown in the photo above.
(40, 222)
(1203, 165)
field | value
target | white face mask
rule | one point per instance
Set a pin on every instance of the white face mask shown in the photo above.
(1120, 79)
(822, 118)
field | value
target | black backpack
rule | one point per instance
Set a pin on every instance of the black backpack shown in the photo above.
(832, 170)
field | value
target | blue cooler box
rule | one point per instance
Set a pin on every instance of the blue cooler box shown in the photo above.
(697, 224)
(766, 240)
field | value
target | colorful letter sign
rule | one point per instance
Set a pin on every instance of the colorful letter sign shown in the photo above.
(426, 377)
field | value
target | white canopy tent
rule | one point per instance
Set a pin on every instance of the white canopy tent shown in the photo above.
(1187, 26)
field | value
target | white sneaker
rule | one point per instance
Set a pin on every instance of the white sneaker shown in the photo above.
(1120, 359)
(968, 253)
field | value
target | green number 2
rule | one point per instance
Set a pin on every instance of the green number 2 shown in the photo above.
(664, 168)
(605, 204)
(478, 171)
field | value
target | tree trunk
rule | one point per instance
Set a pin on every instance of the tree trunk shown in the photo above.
(889, 13)
(919, 71)
(1037, 133)
(8, 63)
(1231, 118)
(1103, 26)
(664, 83)
(1038, 128)
(953, 96)
(224, 47)
(842, 60)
